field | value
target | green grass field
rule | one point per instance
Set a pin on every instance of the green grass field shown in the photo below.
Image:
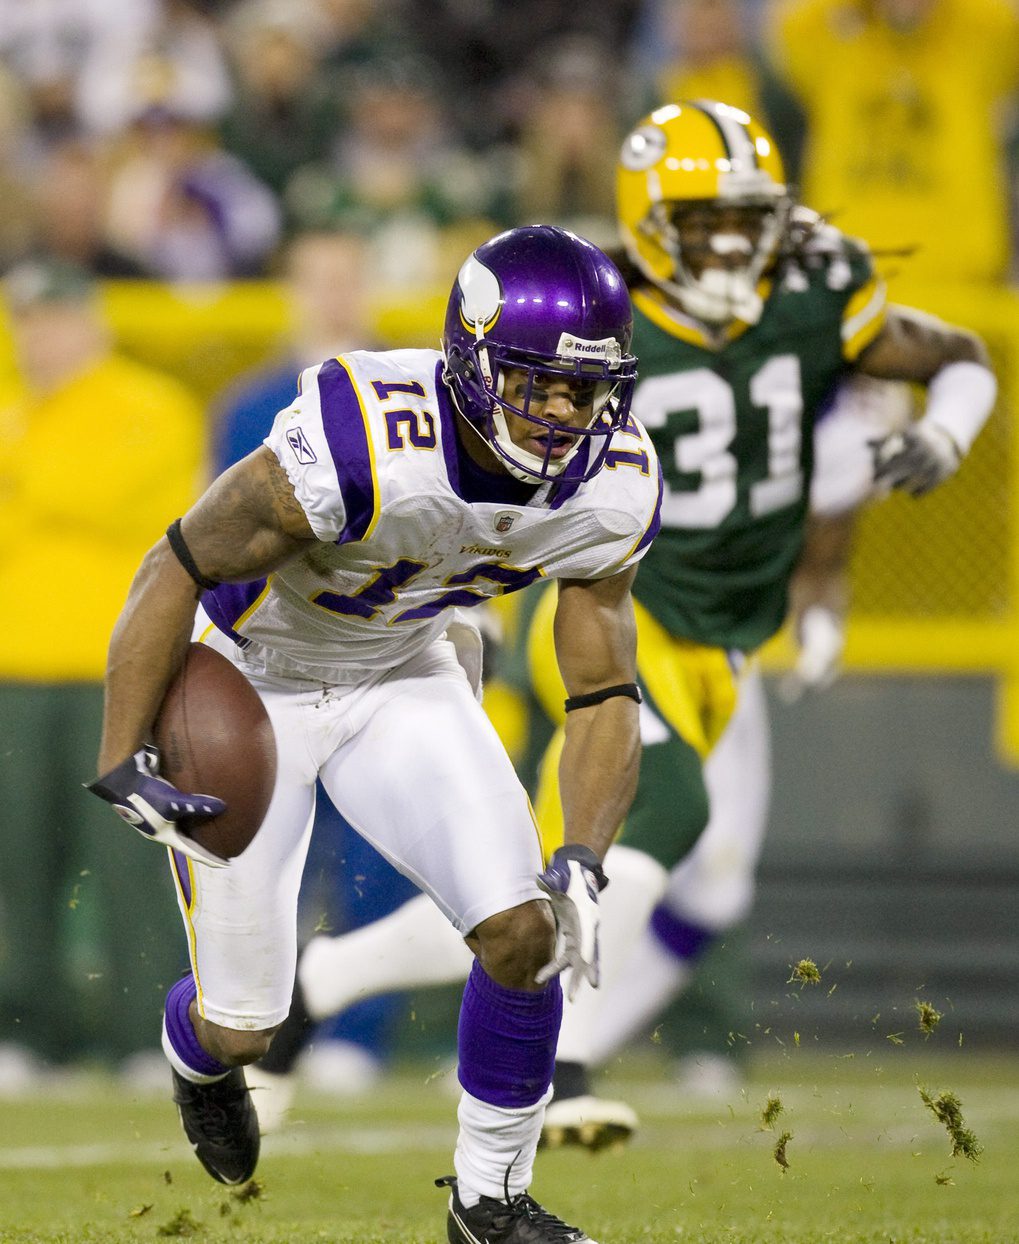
(868, 1163)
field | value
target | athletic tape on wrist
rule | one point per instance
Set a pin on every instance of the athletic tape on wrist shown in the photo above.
(960, 397)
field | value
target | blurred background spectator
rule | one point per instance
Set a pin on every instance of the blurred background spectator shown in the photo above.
(710, 49)
(47, 45)
(95, 451)
(326, 282)
(183, 208)
(566, 169)
(18, 164)
(397, 172)
(899, 151)
(172, 60)
(286, 106)
(69, 198)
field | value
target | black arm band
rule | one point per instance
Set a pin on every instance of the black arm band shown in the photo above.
(629, 689)
(183, 555)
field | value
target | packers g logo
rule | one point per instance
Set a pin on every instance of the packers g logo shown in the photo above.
(643, 148)
(480, 296)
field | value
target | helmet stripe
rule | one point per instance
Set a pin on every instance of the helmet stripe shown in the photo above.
(736, 140)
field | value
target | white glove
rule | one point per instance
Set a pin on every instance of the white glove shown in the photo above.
(822, 639)
(916, 459)
(572, 882)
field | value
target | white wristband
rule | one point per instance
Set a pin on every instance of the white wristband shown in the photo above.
(822, 638)
(959, 399)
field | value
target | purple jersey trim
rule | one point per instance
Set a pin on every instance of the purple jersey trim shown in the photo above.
(227, 603)
(346, 433)
(180, 867)
(656, 519)
(568, 484)
(447, 418)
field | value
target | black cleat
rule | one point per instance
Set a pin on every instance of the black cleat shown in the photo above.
(220, 1121)
(516, 1220)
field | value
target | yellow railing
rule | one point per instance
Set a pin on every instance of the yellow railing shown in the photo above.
(935, 581)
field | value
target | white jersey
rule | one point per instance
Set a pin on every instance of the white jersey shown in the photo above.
(370, 447)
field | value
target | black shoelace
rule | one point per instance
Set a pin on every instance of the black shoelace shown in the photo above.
(216, 1114)
(525, 1206)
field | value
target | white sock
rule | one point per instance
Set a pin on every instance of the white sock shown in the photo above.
(495, 1148)
(636, 883)
(652, 977)
(414, 946)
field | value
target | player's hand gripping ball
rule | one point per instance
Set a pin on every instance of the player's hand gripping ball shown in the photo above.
(212, 734)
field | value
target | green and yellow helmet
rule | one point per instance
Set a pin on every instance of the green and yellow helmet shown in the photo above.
(708, 155)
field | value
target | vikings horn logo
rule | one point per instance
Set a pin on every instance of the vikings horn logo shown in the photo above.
(480, 296)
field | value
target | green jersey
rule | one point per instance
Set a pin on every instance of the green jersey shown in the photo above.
(733, 425)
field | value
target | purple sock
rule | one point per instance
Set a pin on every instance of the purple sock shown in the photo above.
(685, 940)
(506, 1040)
(181, 1033)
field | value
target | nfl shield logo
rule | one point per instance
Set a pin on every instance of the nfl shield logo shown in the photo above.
(504, 521)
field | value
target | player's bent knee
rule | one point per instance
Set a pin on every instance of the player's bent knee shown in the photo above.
(514, 944)
(233, 1047)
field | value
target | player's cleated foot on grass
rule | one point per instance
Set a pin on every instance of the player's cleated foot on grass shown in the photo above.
(516, 1220)
(220, 1121)
(588, 1122)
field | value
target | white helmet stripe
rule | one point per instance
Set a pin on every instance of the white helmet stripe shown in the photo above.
(732, 125)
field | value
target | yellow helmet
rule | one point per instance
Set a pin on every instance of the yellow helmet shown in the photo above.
(709, 155)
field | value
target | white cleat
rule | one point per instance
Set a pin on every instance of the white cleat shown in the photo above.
(589, 1122)
(272, 1095)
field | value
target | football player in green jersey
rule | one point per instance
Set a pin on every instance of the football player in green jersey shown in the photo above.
(749, 312)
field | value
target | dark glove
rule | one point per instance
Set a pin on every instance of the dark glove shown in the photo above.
(917, 459)
(572, 880)
(155, 808)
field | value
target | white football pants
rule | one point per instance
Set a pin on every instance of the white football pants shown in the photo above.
(415, 766)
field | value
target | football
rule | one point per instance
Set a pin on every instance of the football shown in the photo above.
(215, 738)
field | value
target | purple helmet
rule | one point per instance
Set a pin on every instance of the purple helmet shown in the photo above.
(541, 300)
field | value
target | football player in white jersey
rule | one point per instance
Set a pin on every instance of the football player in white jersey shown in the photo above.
(713, 886)
(397, 488)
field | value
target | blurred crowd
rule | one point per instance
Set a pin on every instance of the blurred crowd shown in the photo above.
(185, 140)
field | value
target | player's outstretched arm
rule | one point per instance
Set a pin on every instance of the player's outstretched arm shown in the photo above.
(246, 525)
(595, 637)
(596, 647)
(961, 389)
(818, 600)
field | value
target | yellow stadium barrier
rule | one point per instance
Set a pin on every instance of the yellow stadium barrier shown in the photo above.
(935, 582)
